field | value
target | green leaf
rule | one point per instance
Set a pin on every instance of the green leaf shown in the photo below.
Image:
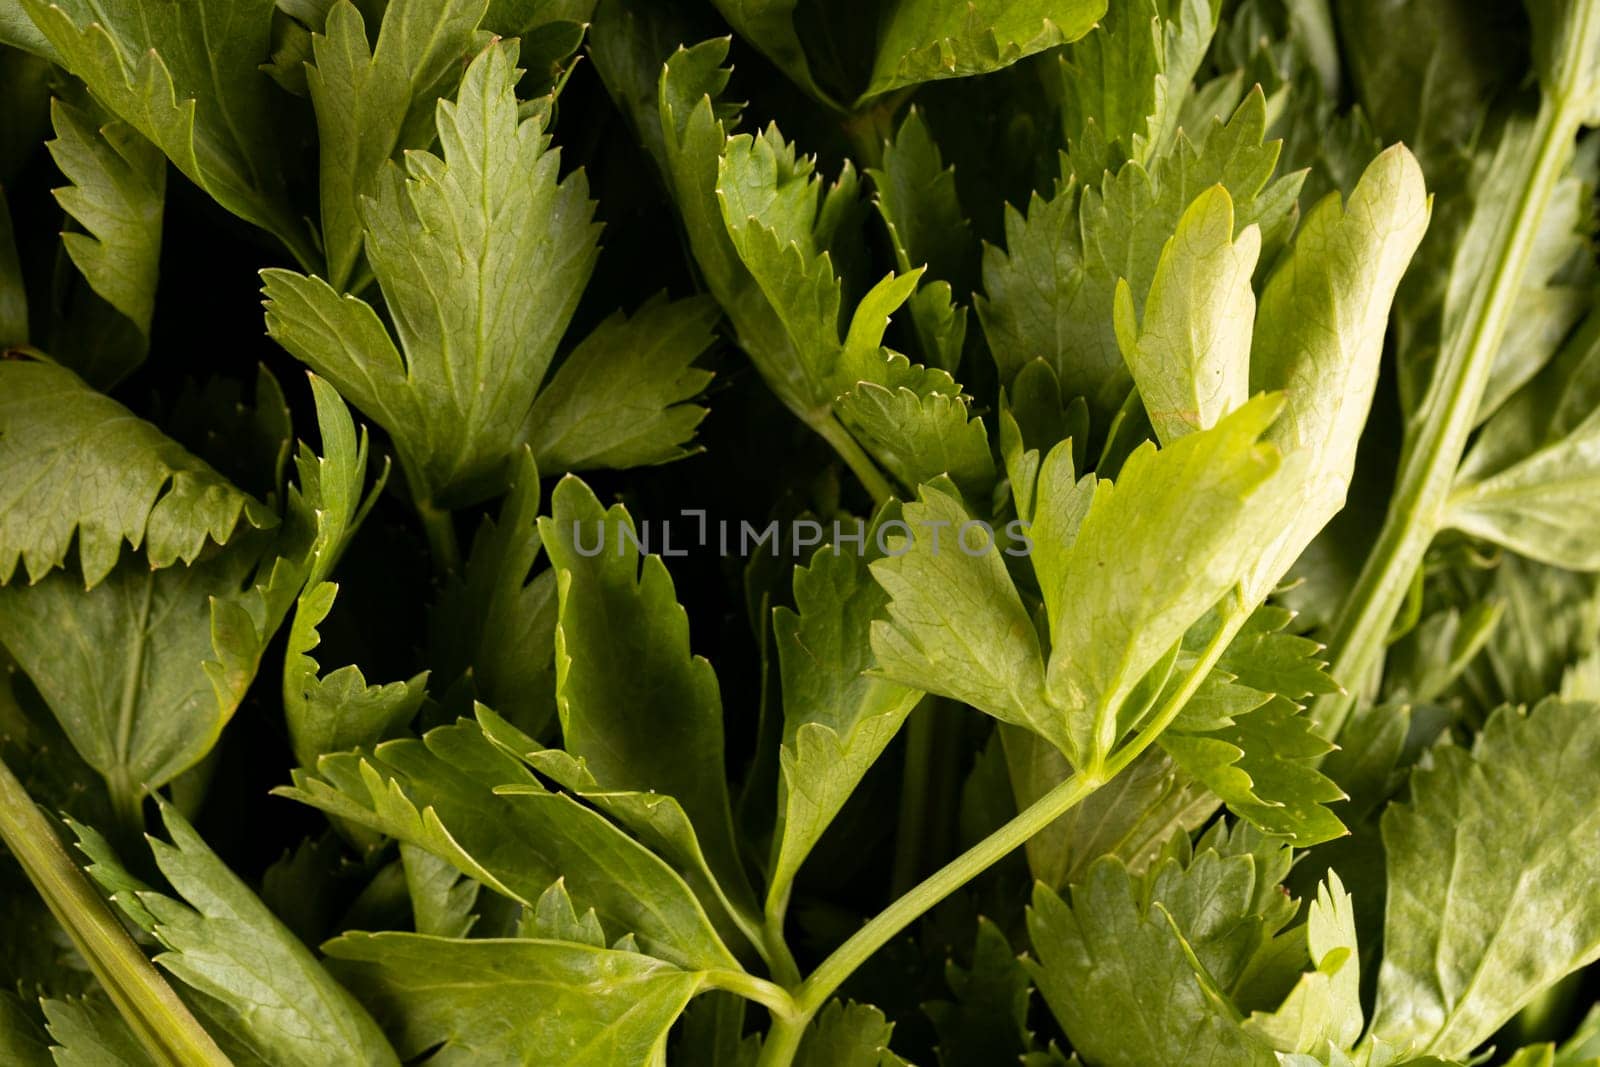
(771, 202)
(1123, 86)
(620, 399)
(521, 1001)
(629, 42)
(477, 340)
(1468, 69)
(1190, 357)
(1543, 506)
(1319, 335)
(555, 919)
(712, 1033)
(1156, 550)
(88, 1032)
(18, 31)
(1034, 423)
(442, 898)
(301, 885)
(1242, 735)
(622, 643)
(80, 463)
(1148, 970)
(694, 127)
(1131, 817)
(837, 718)
(131, 686)
(694, 124)
(158, 1020)
(512, 18)
(1323, 1010)
(847, 1035)
(495, 192)
(373, 103)
(919, 438)
(1487, 864)
(1266, 657)
(655, 820)
(769, 26)
(988, 1019)
(922, 40)
(1550, 621)
(116, 192)
(956, 625)
(911, 419)
(462, 798)
(1557, 284)
(1050, 293)
(941, 325)
(1525, 482)
(120, 886)
(917, 198)
(187, 79)
(494, 627)
(959, 627)
(337, 711)
(328, 498)
(252, 976)
(23, 1041)
(1264, 767)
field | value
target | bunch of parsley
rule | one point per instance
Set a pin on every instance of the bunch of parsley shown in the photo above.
(1133, 466)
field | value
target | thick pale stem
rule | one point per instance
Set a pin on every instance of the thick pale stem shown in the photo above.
(1438, 434)
(160, 1021)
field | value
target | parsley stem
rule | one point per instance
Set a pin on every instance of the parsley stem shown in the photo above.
(872, 127)
(440, 530)
(160, 1021)
(777, 954)
(927, 813)
(860, 464)
(774, 998)
(828, 976)
(911, 836)
(784, 1039)
(1438, 432)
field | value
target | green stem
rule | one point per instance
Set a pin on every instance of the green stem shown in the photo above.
(160, 1021)
(777, 954)
(870, 128)
(912, 833)
(440, 530)
(304, 250)
(881, 928)
(1438, 433)
(784, 1040)
(860, 464)
(774, 998)
(127, 806)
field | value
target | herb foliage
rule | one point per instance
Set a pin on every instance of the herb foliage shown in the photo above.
(1133, 468)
